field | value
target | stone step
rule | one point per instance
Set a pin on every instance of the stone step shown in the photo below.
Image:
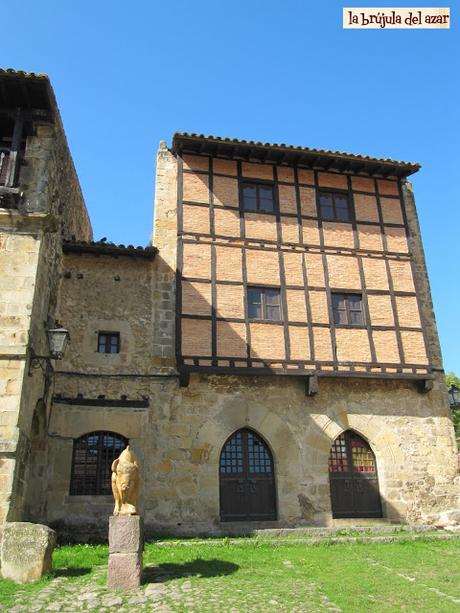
(373, 526)
(319, 539)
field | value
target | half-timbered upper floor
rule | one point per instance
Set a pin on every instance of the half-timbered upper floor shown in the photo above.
(295, 260)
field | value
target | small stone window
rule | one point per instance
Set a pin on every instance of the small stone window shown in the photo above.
(348, 309)
(258, 197)
(264, 303)
(108, 342)
(334, 206)
(92, 459)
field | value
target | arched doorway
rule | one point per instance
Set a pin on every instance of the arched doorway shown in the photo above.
(353, 478)
(247, 479)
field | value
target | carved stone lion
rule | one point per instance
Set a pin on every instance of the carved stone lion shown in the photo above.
(125, 483)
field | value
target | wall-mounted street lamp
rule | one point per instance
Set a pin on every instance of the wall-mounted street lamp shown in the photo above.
(454, 396)
(57, 343)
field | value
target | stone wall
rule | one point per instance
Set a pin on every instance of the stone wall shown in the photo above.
(51, 207)
(180, 436)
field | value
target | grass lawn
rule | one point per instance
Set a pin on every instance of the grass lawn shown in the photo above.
(415, 576)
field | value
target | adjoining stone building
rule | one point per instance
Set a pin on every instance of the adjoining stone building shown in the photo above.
(273, 359)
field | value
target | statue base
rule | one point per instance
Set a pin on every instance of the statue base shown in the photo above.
(126, 546)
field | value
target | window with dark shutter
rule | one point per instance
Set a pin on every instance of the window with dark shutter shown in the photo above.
(334, 206)
(264, 303)
(258, 197)
(347, 309)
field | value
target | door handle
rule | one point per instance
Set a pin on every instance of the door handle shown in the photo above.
(252, 486)
(347, 484)
(240, 486)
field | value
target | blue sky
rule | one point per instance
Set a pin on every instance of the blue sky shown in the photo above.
(129, 75)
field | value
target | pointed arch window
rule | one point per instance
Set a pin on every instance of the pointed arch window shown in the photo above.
(92, 458)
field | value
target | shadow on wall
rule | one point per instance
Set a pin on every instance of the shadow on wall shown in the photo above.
(196, 568)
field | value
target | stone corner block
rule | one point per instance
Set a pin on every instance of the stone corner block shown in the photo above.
(124, 571)
(26, 551)
(126, 534)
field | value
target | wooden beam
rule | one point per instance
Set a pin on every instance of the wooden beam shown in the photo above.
(14, 152)
(184, 378)
(311, 385)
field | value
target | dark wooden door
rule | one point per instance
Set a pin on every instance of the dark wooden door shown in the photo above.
(247, 479)
(353, 478)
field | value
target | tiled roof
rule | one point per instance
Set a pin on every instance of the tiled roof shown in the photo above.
(218, 145)
(104, 248)
(11, 72)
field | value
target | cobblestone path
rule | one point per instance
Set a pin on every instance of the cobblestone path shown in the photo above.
(165, 593)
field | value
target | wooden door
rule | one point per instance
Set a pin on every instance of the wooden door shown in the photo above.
(353, 478)
(247, 479)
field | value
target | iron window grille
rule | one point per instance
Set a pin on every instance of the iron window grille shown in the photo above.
(92, 459)
(334, 206)
(258, 197)
(348, 309)
(108, 342)
(264, 303)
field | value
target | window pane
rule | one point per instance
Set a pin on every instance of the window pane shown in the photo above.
(254, 295)
(338, 301)
(254, 311)
(354, 300)
(342, 209)
(342, 214)
(325, 200)
(250, 197)
(272, 296)
(356, 318)
(266, 198)
(327, 212)
(340, 316)
(101, 343)
(114, 343)
(273, 313)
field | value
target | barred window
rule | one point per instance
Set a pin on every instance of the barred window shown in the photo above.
(92, 459)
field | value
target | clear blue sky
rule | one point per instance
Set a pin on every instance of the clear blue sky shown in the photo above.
(127, 75)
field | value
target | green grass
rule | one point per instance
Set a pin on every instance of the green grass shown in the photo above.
(413, 576)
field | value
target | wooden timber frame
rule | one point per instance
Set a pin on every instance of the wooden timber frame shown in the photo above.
(24, 99)
(308, 370)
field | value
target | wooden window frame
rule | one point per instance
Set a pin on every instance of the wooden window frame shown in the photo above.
(108, 343)
(346, 296)
(334, 194)
(263, 303)
(258, 185)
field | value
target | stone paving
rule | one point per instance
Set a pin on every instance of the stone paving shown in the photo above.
(166, 593)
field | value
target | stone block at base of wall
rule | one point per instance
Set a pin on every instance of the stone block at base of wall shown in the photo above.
(26, 551)
(126, 545)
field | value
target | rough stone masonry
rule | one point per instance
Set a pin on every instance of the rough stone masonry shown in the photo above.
(196, 367)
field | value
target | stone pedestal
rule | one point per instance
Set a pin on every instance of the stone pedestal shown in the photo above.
(126, 546)
(26, 551)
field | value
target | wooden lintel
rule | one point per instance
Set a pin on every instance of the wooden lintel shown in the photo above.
(311, 385)
(184, 378)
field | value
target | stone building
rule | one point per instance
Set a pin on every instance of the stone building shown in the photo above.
(272, 358)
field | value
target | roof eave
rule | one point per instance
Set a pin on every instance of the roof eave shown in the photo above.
(289, 155)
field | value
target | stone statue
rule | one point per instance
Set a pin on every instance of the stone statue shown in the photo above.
(125, 483)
